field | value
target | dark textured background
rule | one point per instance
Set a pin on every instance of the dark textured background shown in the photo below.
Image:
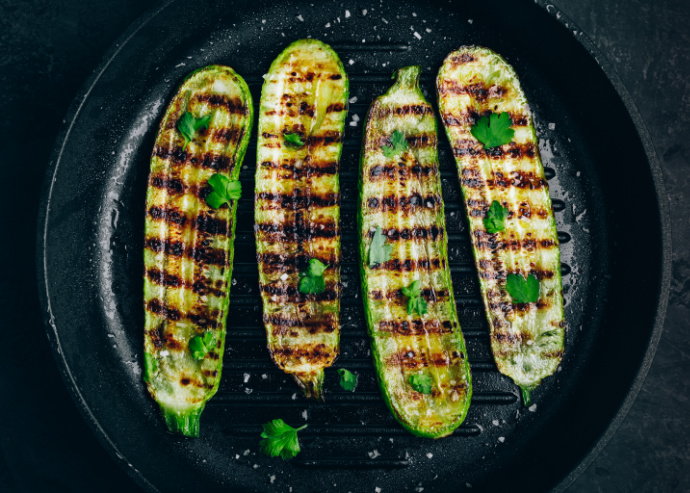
(48, 49)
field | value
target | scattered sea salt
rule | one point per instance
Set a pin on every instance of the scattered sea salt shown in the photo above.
(355, 117)
(272, 478)
(327, 24)
(495, 422)
(283, 277)
(428, 30)
(384, 20)
(429, 455)
(501, 439)
(364, 11)
(417, 35)
(351, 61)
(347, 14)
(533, 408)
(470, 21)
(374, 454)
(377, 489)
(300, 18)
(246, 452)
(552, 126)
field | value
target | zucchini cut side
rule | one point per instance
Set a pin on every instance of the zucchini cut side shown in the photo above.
(401, 195)
(297, 207)
(527, 339)
(188, 246)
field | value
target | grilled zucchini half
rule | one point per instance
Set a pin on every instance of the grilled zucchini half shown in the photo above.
(526, 338)
(297, 207)
(421, 359)
(189, 245)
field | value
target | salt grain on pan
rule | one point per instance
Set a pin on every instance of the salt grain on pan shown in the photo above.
(272, 478)
(495, 422)
(305, 414)
(364, 11)
(347, 14)
(429, 455)
(377, 489)
(470, 21)
(384, 20)
(533, 408)
(351, 61)
(327, 24)
(417, 35)
(552, 126)
(355, 117)
(255, 466)
(264, 376)
(353, 99)
(263, 21)
(353, 123)
(246, 452)
(501, 439)
(237, 456)
(300, 18)
(248, 391)
(428, 30)
(246, 377)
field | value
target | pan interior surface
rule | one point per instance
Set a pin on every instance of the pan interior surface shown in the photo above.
(606, 209)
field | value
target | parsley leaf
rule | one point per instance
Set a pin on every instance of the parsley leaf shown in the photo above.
(280, 439)
(348, 380)
(523, 290)
(380, 250)
(398, 145)
(150, 366)
(188, 126)
(293, 139)
(312, 281)
(224, 190)
(493, 131)
(494, 221)
(415, 303)
(421, 382)
(201, 345)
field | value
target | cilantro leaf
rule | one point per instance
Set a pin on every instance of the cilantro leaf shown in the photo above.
(398, 145)
(150, 366)
(223, 190)
(293, 139)
(415, 303)
(200, 346)
(493, 131)
(421, 382)
(348, 380)
(188, 126)
(494, 221)
(523, 290)
(380, 250)
(312, 281)
(280, 439)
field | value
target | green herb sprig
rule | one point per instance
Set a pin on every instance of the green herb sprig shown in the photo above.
(494, 130)
(189, 126)
(398, 145)
(280, 439)
(201, 345)
(312, 281)
(380, 250)
(415, 302)
(522, 290)
(348, 380)
(494, 222)
(421, 382)
(223, 190)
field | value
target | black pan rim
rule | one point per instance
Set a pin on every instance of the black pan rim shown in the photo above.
(604, 64)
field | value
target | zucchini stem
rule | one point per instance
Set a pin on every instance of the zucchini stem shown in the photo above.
(183, 422)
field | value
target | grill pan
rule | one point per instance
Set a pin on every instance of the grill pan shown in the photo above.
(613, 227)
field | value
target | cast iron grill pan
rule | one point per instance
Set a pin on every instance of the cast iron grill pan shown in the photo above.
(94, 239)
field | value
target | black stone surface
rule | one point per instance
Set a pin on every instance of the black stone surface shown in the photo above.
(47, 49)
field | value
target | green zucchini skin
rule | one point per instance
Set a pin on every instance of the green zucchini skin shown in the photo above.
(297, 207)
(402, 196)
(527, 340)
(189, 246)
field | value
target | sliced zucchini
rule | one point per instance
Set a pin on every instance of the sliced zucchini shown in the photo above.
(297, 207)
(418, 347)
(526, 337)
(189, 245)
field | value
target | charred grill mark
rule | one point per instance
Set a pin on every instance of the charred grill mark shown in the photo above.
(329, 137)
(335, 77)
(283, 325)
(471, 178)
(229, 135)
(413, 141)
(156, 335)
(163, 278)
(304, 169)
(200, 253)
(506, 337)
(211, 225)
(203, 287)
(427, 294)
(479, 91)
(203, 320)
(169, 214)
(413, 360)
(292, 294)
(207, 160)
(394, 203)
(314, 353)
(308, 77)
(380, 173)
(174, 186)
(170, 341)
(335, 108)
(300, 202)
(272, 262)
(487, 241)
(470, 117)
(296, 231)
(409, 265)
(232, 105)
(417, 327)
(431, 232)
(462, 58)
(157, 307)
(382, 112)
(474, 148)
